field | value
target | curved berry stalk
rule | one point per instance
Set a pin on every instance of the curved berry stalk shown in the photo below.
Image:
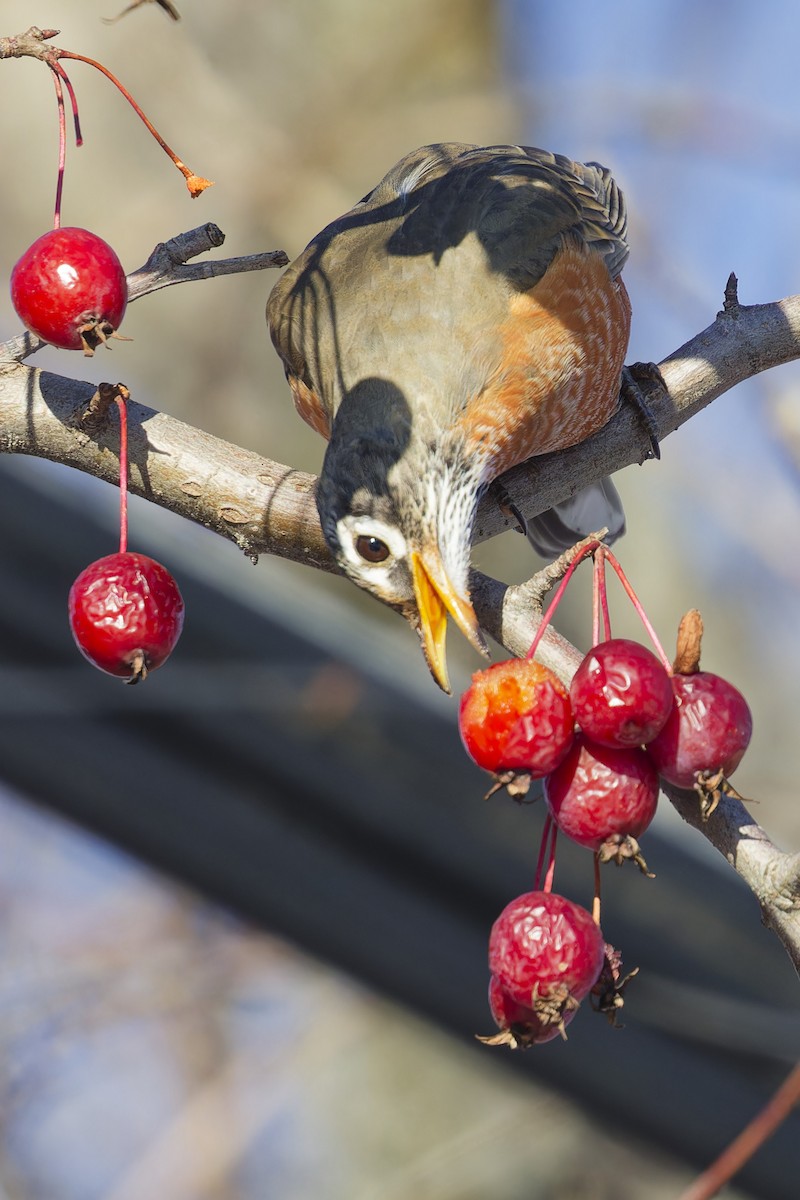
(125, 610)
(31, 44)
(195, 183)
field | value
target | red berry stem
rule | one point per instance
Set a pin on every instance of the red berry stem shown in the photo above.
(600, 598)
(547, 886)
(73, 99)
(123, 473)
(195, 183)
(62, 149)
(597, 887)
(548, 823)
(589, 548)
(637, 604)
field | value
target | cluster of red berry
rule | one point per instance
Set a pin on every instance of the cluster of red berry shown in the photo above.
(69, 289)
(599, 747)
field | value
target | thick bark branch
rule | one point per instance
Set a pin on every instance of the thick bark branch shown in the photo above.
(265, 507)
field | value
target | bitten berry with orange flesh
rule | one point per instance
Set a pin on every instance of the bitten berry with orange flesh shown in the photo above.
(516, 716)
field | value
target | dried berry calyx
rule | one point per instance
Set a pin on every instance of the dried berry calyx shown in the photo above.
(521, 1026)
(126, 614)
(608, 994)
(516, 717)
(69, 289)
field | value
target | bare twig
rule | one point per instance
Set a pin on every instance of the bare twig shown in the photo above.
(168, 8)
(752, 1137)
(168, 264)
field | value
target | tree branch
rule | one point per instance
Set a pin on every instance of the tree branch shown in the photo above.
(266, 507)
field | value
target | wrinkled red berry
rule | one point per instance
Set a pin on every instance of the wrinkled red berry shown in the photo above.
(544, 948)
(126, 614)
(708, 729)
(602, 792)
(69, 289)
(516, 715)
(621, 694)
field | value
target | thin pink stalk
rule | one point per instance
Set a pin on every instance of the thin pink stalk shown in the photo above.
(123, 474)
(637, 604)
(589, 548)
(195, 183)
(597, 890)
(537, 879)
(751, 1139)
(62, 148)
(547, 886)
(602, 593)
(73, 99)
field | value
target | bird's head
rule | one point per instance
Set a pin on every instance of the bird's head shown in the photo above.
(398, 519)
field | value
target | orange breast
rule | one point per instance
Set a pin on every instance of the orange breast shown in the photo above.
(563, 349)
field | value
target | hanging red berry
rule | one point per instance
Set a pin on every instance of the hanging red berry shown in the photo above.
(69, 289)
(708, 729)
(516, 716)
(126, 614)
(621, 694)
(546, 953)
(602, 794)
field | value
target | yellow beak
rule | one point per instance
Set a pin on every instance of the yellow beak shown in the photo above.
(436, 597)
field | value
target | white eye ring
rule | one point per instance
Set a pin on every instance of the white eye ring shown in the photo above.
(364, 539)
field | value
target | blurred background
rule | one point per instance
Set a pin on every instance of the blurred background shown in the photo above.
(243, 910)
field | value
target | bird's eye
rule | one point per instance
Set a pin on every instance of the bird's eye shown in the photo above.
(372, 549)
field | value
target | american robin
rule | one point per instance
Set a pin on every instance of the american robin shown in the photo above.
(467, 314)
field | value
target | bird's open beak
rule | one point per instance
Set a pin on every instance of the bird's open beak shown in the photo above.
(436, 597)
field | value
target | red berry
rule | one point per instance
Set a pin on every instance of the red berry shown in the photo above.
(708, 729)
(126, 614)
(602, 792)
(621, 695)
(521, 1026)
(544, 949)
(69, 289)
(516, 716)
